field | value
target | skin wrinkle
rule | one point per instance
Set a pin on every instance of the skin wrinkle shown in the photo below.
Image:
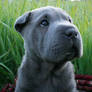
(46, 65)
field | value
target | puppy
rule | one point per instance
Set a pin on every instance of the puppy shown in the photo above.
(51, 41)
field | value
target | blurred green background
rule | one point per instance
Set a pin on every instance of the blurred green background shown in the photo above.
(11, 43)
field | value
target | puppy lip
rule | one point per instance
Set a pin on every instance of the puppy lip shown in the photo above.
(70, 55)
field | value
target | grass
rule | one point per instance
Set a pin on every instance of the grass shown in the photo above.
(11, 43)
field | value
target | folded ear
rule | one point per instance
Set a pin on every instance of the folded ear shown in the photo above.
(22, 21)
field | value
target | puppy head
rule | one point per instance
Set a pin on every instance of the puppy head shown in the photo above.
(49, 33)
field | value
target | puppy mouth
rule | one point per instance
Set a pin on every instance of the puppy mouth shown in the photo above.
(68, 56)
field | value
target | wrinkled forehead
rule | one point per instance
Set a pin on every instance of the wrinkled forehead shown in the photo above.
(52, 12)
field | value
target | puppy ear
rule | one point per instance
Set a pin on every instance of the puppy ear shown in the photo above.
(22, 21)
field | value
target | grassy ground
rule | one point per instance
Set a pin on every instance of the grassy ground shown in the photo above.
(11, 43)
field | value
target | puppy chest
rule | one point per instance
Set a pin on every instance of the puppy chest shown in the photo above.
(50, 85)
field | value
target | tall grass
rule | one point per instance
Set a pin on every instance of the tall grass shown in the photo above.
(11, 43)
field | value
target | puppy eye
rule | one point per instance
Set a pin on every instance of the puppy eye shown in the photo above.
(70, 20)
(44, 23)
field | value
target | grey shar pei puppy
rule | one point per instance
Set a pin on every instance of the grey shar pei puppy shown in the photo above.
(51, 40)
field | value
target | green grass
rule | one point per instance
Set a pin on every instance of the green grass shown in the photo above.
(11, 43)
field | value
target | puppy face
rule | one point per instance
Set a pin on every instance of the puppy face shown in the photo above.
(49, 33)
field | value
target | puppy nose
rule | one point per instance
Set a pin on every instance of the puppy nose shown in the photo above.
(71, 33)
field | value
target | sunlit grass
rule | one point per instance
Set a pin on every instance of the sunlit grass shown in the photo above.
(11, 43)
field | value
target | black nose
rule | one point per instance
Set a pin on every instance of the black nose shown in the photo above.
(71, 33)
(69, 30)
